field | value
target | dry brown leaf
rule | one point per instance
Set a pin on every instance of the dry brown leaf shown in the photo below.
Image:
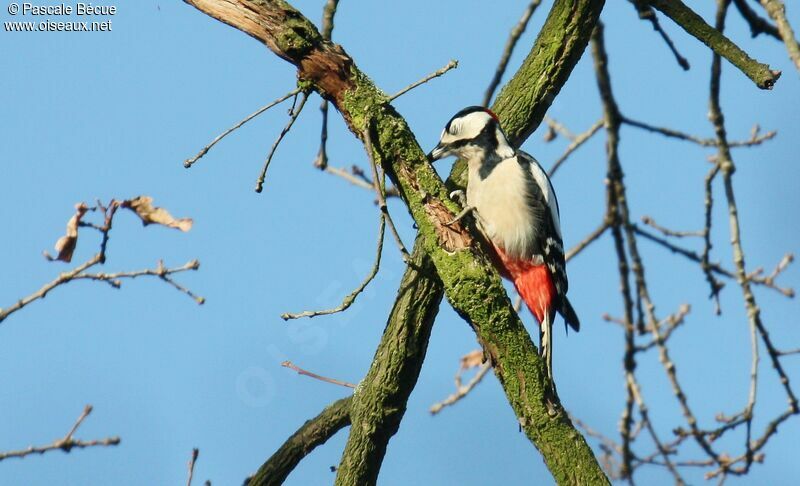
(65, 246)
(472, 359)
(143, 207)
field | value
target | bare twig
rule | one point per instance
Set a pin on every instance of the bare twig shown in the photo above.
(301, 371)
(662, 449)
(588, 240)
(328, 13)
(66, 443)
(668, 232)
(668, 325)
(321, 162)
(148, 214)
(715, 284)
(462, 391)
(754, 140)
(380, 190)
(646, 13)
(557, 127)
(192, 461)
(714, 267)
(350, 298)
(350, 177)
(777, 12)
(42, 292)
(757, 24)
(189, 162)
(574, 144)
(162, 272)
(511, 43)
(450, 65)
(293, 114)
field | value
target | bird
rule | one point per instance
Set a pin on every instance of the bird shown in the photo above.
(515, 207)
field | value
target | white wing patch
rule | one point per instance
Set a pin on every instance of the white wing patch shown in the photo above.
(549, 194)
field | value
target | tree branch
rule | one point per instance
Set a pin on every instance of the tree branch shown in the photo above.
(380, 399)
(313, 433)
(66, 443)
(693, 24)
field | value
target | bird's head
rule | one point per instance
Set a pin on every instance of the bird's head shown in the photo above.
(473, 133)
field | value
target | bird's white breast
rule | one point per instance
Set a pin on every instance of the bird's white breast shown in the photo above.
(502, 203)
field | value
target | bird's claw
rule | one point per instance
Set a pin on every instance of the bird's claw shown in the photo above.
(458, 195)
(460, 215)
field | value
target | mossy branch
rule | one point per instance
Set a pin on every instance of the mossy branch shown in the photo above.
(471, 283)
(313, 433)
(691, 22)
(380, 400)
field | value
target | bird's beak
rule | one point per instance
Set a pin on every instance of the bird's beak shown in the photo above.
(437, 153)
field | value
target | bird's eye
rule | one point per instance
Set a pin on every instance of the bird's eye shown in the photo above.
(454, 128)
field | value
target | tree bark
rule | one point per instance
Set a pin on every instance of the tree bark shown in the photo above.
(313, 433)
(380, 400)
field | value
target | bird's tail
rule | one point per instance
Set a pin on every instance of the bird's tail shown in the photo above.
(570, 317)
(546, 341)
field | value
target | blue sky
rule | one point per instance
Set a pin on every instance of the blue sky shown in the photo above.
(102, 115)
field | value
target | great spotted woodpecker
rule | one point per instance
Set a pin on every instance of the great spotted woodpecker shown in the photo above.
(516, 209)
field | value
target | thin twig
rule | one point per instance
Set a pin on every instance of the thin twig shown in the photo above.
(189, 162)
(754, 140)
(714, 267)
(349, 299)
(464, 390)
(162, 272)
(328, 13)
(511, 43)
(777, 11)
(589, 239)
(647, 13)
(450, 65)
(192, 461)
(293, 114)
(664, 451)
(668, 325)
(557, 127)
(380, 190)
(350, 177)
(66, 443)
(713, 283)
(42, 292)
(668, 232)
(321, 162)
(756, 23)
(574, 144)
(301, 371)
